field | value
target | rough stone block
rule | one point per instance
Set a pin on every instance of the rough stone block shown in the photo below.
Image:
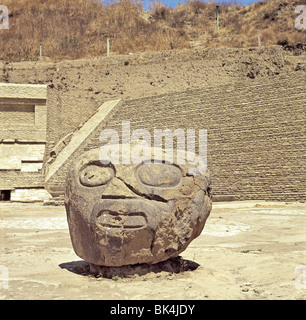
(138, 213)
(23, 91)
(28, 195)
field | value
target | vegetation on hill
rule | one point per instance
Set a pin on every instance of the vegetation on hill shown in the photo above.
(72, 29)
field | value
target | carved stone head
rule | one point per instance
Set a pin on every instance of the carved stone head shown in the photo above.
(138, 213)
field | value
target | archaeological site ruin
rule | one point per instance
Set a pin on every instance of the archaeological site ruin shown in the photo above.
(23, 110)
(254, 113)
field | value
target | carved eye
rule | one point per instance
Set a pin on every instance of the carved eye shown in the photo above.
(159, 175)
(94, 175)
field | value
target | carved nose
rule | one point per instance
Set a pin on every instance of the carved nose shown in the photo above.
(117, 189)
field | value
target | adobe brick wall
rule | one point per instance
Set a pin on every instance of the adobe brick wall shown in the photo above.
(30, 194)
(64, 114)
(23, 133)
(10, 179)
(66, 148)
(15, 114)
(256, 134)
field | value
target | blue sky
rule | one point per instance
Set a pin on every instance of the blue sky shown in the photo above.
(174, 3)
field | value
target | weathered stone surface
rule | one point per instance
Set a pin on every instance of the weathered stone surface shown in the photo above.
(128, 214)
(23, 91)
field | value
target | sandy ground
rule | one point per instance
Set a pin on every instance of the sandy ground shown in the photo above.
(248, 250)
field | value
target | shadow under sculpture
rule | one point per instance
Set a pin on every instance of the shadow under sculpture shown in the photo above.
(121, 215)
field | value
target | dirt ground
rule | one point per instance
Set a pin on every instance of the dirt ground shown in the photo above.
(247, 250)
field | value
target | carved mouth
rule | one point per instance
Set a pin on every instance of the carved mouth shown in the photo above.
(124, 213)
(131, 220)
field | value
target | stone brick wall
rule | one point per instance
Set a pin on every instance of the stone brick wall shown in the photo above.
(256, 134)
(65, 113)
(16, 114)
(30, 194)
(65, 150)
(23, 133)
(24, 157)
(11, 179)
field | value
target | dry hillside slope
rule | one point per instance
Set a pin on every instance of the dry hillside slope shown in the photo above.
(74, 29)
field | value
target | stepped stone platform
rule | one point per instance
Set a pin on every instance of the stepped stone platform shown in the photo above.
(256, 135)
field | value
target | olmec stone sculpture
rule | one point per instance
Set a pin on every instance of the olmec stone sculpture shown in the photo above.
(129, 214)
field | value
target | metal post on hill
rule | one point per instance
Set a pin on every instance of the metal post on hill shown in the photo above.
(107, 47)
(171, 40)
(258, 37)
(40, 52)
(217, 17)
